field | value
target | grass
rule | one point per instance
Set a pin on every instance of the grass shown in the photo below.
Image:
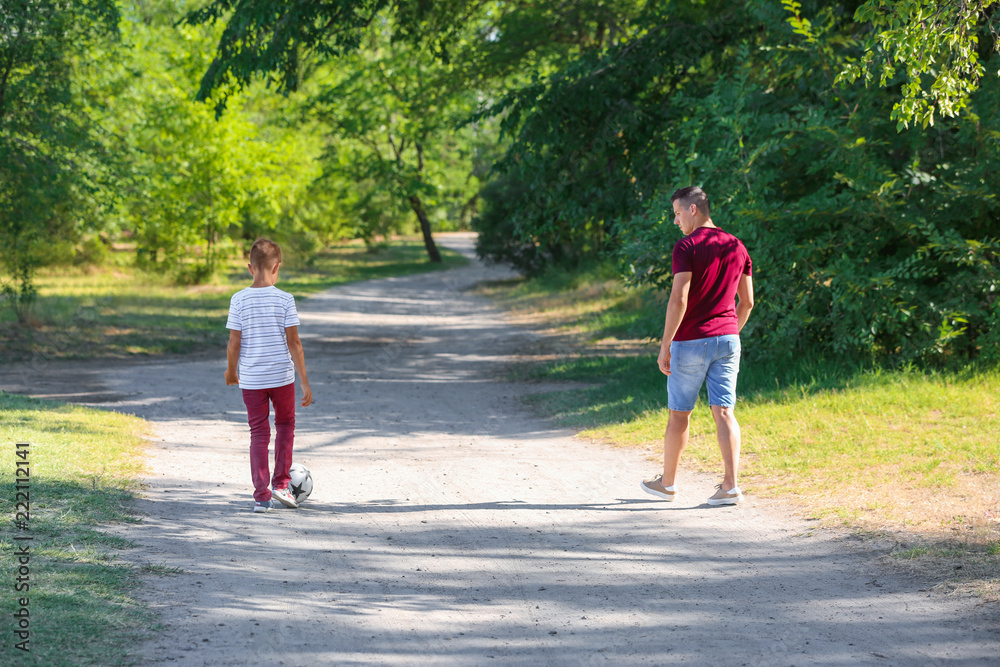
(848, 449)
(119, 311)
(910, 454)
(84, 466)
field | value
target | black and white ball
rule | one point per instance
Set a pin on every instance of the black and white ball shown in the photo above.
(301, 484)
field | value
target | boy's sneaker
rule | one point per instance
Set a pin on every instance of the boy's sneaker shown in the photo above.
(285, 497)
(262, 506)
(654, 487)
(730, 497)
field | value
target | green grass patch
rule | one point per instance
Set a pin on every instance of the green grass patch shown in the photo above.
(121, 311)
(84, 466)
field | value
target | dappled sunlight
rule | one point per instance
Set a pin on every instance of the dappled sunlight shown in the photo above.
(445, 580)
(449, 525)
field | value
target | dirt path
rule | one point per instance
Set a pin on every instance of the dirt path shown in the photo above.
(450, 526)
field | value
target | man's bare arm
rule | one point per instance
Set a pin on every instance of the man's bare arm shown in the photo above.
(676, 307)
(744, 291)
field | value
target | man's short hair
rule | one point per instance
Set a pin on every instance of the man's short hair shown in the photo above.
(692, 194)
(265, 254)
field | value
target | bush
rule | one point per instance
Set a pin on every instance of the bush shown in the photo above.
(869, 244)
(499, 238)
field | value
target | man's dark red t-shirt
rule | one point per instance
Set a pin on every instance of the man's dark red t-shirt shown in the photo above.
(716, 260)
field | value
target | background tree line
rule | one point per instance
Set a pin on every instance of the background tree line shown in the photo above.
(870, 211)
(103, 144)
(849, 144)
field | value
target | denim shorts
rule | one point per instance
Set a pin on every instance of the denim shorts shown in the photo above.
(712, 361)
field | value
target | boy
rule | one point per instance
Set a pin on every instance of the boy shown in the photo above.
(264, 345)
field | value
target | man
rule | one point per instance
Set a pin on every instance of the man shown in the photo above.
(701, 342)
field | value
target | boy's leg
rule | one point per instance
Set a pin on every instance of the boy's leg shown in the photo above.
(260, 437)
(284, 427)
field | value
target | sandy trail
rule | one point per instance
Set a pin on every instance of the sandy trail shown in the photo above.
(451, 526)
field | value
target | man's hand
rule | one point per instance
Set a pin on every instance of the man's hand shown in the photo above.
(663, 361)
(231, 377)
(676, 308)
(307, 395)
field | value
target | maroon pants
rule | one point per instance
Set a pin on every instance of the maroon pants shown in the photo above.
(258, 415)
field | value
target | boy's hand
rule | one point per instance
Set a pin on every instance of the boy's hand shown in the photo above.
(307, 395)
(233, 356)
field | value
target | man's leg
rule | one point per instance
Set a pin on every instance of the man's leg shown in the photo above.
(721, 383)
(688, 362)
(675, 439)
(728, 432)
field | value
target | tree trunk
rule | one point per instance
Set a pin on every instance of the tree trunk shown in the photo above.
(425, 227)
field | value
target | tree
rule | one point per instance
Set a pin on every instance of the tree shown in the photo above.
(266, 38)
(194, 187)
(52, 163)
(936, 44)
(870, 244)
(441, 56)
(393, 109)
(587, 140)
(393, 116)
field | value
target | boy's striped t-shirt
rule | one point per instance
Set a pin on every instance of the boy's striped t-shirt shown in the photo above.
(261, 315)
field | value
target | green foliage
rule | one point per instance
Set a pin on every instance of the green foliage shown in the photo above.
(121, 152)
(197, 187)
(936, 44)
(393, 110)
(569, 173)
(101, 141)
(268, 36)
(51, 160)
(278, 41)
(868, 244)
(405, 75)
(498, 240)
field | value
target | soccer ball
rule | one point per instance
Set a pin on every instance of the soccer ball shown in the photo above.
(301, 484)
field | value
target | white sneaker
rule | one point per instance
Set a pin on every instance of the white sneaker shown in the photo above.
(654, 487)
(730, 497)
(284, 497)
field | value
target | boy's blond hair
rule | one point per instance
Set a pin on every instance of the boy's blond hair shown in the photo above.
(265, 254)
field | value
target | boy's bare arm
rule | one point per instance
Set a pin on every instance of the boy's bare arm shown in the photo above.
(299, 359)
(233, 356)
